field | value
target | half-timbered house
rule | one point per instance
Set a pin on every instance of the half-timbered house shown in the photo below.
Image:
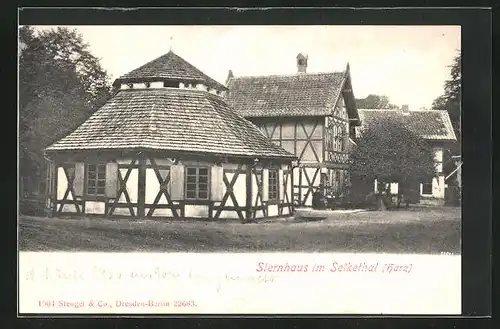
(311, 115)
(168, 145)
(433, 126)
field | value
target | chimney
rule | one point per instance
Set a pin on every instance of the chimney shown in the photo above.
(301, 63)
(405, 109)
(229, 76)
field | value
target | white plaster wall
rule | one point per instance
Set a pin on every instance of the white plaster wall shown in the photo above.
(296, 173)
(254, 191)
(229, 214)
(123, 212)
(259, 214)
(163, 199)
(196, 211)
(152, 186)
(394, 188)
(310, 174)
(438, 187)
(142, 85)
(239, 190)
(62, 183)
(156, 84)
(289, 188)
(132, 185)
(201, 86)
(161, 212)
(438, 154)
(286, 211)
(272, 210)
(69, 208)
(288, 130)
(94, 207)
(438, 157)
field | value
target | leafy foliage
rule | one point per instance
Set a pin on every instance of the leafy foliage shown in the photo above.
(375, 102)
(60, 85)
(451, 99)
(389, 152)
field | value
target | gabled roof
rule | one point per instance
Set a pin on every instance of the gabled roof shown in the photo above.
(429, 124)
(170, 119)
(169, 66)
(302, 94)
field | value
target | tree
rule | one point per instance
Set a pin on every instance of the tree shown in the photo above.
(390, 153)
(375, 102)
(60, 85)
(451, 99)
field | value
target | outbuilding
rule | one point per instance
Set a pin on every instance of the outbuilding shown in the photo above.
(168, 145)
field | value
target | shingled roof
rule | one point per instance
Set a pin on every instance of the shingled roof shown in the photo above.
(429, 124)
(170, 119)
(169, 66)
(311, 94)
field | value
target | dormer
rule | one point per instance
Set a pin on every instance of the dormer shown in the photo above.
(169, 71)
(301, 63)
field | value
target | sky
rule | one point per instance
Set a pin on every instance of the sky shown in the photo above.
(409, 64)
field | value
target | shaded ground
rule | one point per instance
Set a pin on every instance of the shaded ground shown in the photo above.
(416, 230)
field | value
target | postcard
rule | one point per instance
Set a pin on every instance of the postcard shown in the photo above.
(234, 169)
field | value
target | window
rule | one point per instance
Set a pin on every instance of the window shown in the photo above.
(171, 84)
(427, 187)
(96, 179)
(324, 179)
(197, 183)
(343, 139)
(338, 182)
(273, 185)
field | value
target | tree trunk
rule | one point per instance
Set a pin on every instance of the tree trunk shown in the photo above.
(380, 204)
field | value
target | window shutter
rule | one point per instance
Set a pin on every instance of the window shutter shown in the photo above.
(265, 184)
(177, 182)
(111, 179)
(50, 179)
(217, 183)
(281, 180)
(78, 182)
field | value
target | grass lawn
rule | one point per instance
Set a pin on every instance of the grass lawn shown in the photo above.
(429, 230)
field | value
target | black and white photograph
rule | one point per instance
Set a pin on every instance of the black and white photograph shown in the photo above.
(295, 153)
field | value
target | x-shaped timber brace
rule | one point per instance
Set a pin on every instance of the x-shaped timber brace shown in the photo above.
(230, 194)
(310, 182)
(123, 189)
(309, 141)
(258, 174)
(69, 172)
(163, 190)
